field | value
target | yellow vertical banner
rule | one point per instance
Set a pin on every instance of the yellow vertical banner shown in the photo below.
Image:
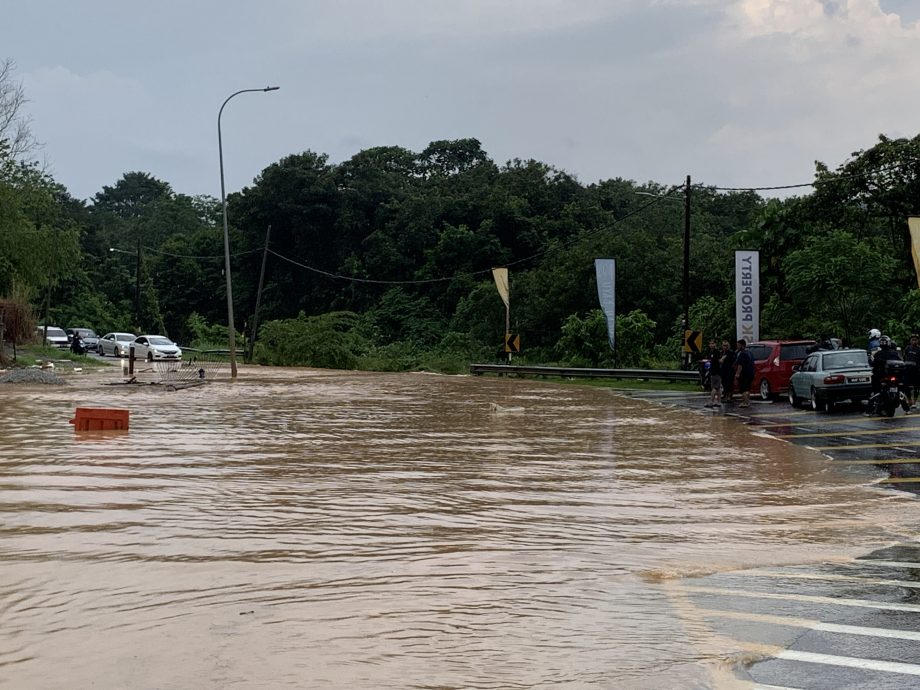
(913, 224)
(501, 282)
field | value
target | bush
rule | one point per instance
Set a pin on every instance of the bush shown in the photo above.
(329, 340)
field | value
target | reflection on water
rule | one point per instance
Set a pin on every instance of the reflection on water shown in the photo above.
(328, 529)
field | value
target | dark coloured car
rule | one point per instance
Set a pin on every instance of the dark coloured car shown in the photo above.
(773, 364)
(828, 377)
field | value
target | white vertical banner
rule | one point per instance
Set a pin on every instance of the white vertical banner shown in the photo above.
(606, 270)
(500, 275)
(747, 295)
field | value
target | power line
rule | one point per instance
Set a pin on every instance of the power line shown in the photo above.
(578, 238)
(184, 256)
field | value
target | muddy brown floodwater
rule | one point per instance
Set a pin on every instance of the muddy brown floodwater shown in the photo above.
(303, 528)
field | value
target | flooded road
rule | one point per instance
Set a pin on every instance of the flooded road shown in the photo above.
(303, 528)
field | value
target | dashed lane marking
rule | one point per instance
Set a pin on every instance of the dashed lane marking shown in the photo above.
(866, 432)
(793, 622)
(851, 662)
(808, 598)
(880, 461)
(788, 413)
(854, 421)
(861, 446)
(792, 575)
(882, 564)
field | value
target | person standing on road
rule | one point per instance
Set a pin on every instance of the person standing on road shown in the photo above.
(744, 372)
(715, 376)
(912, 354)
(726, 369)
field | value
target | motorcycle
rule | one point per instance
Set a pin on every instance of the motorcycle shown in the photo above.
(78, 347)
(703, 368)
(892, 391)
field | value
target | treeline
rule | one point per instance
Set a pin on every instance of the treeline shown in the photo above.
(383, 261)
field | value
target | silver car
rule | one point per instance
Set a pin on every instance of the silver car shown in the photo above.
(115, 344)
(827, 377)
(151, 347)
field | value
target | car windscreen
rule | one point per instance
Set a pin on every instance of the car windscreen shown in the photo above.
(159, 341)
(56, 333)
(845, 360)
(760, 352)
(124, 337)
(86, 333)
(793, 351)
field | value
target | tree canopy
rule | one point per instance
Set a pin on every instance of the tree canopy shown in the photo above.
(394, 248)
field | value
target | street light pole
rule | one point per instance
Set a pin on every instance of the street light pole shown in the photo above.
(687, 258)
(231, 328)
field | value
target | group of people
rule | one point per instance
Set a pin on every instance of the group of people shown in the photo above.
(883, 349)
(730, 371)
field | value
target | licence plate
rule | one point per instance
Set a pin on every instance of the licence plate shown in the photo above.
(859, 379)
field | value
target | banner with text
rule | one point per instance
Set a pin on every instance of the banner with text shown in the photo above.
(747, 295)
(606, 270)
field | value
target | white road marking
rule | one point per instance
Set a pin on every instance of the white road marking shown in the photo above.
(792, 575)
(851, 662)
(831, 601)
(884, 564)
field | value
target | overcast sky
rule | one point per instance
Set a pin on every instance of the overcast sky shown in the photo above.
(732, 92)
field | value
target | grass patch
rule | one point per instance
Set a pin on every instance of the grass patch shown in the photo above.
(27, 355)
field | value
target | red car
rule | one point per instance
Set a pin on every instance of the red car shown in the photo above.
(773, 362)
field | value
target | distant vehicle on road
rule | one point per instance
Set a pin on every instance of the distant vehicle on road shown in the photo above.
(90, 339)
(151, 347)
(55, 336)
(115, 344)
(828, 377)
(773, 363)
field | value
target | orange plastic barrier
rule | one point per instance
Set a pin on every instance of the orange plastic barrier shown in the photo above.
(100, 419)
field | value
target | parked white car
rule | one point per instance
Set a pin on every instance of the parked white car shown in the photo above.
(151, 347)
(55, 337)
(115, 344)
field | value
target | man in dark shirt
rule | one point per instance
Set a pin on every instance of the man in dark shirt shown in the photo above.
(744, 372)
(726, 366)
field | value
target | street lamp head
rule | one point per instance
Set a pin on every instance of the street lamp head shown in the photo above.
(271, 88)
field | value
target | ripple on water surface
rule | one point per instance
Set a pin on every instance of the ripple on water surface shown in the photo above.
(305, 528)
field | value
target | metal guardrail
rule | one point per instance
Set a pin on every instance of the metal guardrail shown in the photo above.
(575, 372)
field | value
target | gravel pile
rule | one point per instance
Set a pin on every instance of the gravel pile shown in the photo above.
(32, 376)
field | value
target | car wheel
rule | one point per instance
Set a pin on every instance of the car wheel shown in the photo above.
(765, 392)
(817, 403)
(150, 356)
(793, 399)
(100, 351)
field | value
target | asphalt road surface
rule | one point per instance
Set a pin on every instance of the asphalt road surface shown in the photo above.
(830, 626)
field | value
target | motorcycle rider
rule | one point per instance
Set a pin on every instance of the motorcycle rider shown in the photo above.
(873, 346)
(77, 346)
(912, 354)
(883, 354)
